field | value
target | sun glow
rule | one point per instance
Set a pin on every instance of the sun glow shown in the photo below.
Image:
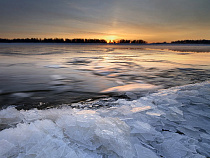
(110, 39)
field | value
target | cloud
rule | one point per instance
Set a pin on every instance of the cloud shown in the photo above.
(96, 17)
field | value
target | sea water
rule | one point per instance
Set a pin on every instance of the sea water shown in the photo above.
(130, 101)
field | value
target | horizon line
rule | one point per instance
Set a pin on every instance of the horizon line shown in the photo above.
(96, 40)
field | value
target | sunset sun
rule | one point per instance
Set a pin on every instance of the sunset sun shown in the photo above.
(110, 39)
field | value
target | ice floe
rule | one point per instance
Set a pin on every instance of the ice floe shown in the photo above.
(171, 123)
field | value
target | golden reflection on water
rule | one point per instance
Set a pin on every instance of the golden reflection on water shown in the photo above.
(131, 87)
(170, 59)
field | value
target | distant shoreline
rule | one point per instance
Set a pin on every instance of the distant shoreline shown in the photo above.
(198, 48)
(96, 41)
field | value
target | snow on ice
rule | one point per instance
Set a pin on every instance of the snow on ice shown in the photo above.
(171, 123)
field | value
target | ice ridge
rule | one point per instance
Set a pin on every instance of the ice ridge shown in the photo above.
(172, 123)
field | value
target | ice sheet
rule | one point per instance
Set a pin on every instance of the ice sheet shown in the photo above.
(169, 123)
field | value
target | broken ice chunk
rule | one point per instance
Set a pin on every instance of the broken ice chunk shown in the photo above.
(139, 109)
(10, 116)
(5, 146)
(176, 110)
(142, 126)
(176, 145)
(111, 134)
(144, 152)
(144, 131)
(153, 114)
(189, 132)
(205, 136)
(199, 111)
(86, 112)
(131, 95)
(172, 116)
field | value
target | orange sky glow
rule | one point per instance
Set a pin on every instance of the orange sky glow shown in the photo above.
(152, 21)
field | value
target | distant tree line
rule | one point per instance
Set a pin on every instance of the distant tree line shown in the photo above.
(61, 40)
(192, 42)
(132, 41)
(51, 40)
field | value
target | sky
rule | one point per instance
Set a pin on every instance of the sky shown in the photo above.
(150, 20)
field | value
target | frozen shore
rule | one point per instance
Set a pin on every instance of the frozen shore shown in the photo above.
(171, 123)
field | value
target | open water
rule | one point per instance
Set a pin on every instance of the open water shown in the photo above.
(46, 75)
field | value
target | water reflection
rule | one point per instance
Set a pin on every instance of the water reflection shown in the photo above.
(43, 75)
